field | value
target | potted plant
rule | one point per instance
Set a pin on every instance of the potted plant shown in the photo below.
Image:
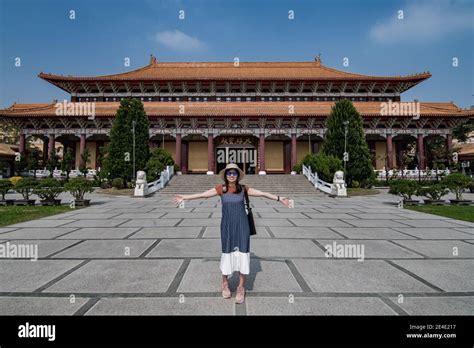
(434, 193)
(404, 188)
(49, 190)
(78, 187)
(457, 183)
(5, 186)
(25, 186)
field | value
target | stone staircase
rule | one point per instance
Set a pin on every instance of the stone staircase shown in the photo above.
(279, 184)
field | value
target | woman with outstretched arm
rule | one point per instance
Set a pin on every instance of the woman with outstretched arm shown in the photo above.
(235, 231)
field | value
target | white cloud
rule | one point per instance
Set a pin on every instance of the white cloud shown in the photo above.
(424, 22)
(179, 41)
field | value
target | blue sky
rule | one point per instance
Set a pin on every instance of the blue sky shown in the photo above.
(104, 32)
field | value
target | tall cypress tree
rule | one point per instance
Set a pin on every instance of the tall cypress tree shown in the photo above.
(359, 166)
(118, 162)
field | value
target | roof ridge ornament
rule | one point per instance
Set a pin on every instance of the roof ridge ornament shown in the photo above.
(152, 59)
(318, 59)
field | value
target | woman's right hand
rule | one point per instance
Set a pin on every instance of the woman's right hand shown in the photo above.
(178, 199)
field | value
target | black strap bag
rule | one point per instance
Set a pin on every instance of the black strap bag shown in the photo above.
(253, 230)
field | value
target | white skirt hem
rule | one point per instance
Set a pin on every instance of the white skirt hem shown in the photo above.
(235, 261)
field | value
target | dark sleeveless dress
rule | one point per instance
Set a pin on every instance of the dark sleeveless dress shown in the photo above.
(235, 233)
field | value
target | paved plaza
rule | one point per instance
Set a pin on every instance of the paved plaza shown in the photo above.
(143, 256)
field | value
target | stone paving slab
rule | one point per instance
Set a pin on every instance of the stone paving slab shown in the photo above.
(181, 215)
(45, 247)
(100, 233)
(373, 223)
(187, 248)
(168, 232)
(433, 233)
(163, 306)
(96, 223)
(275, 215)
(272, 276)
(320, 222)
(128, 216)
(371, 233)
(317, 306)
(456, 305)
(37, 233)
(333, 215)
(440, 248)
(43, 223)
(449, 275)
(304, 232)
(92, 216)
(463, 223)
(375, 248)
(99, 249)
(119, 276)
(285, 248)
(355, 276)
(6, 229)
(151, 223)
(469, 230)
(26, 275)
(199, 222)
(271, 222)
(40, 305)
(429, 223)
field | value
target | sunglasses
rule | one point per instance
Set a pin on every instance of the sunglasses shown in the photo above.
(232, 174)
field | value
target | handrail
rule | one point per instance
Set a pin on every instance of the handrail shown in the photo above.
(316, 181)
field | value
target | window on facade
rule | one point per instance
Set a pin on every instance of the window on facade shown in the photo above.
(218, 99)
(228, 99)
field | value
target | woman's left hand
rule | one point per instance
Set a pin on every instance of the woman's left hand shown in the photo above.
(285, 201)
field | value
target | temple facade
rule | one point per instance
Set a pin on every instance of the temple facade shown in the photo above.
(264, 116)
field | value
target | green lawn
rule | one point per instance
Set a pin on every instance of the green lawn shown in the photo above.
(351, 191)
(460, 212)
(15, 214)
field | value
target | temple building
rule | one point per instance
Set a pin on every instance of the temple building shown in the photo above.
(277, 110)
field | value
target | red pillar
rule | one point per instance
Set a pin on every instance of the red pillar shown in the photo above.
(82, 147)
(449, 147)
(178, 150)
(45, 149)
(421, 152)
(22, 143)
(210, 152)
(449, 142)
(262, 151)
(51, 145)
(389, 151)
(293, 150)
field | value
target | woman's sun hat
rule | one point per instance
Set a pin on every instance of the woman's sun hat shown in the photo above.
(232, 166)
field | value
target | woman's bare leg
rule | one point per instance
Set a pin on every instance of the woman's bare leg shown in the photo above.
(241, 280)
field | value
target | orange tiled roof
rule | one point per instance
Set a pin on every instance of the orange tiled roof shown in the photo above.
(228, 71)
(152, 109)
